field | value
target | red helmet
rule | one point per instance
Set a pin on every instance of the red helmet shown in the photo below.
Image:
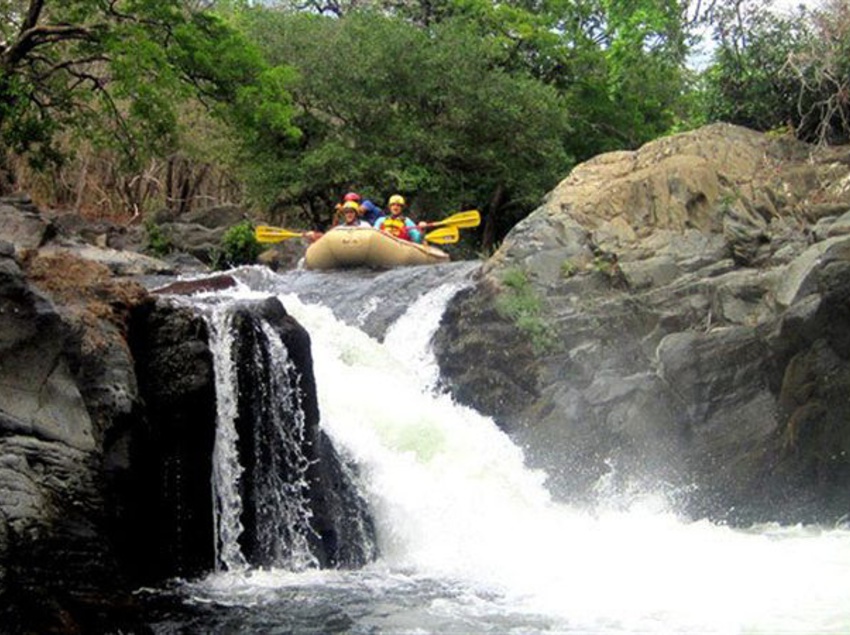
(352, 196)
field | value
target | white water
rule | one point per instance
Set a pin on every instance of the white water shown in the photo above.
(453, 503)
(226, 469)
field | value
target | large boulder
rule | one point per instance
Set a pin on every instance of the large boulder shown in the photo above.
(684, 328)
(166, 519)
(66, 381)
(107, 421)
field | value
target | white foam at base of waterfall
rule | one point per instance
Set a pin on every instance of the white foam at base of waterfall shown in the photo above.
(461, 520)
(453, 499)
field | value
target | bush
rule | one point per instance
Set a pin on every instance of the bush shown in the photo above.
(159, 242)
(239, 246)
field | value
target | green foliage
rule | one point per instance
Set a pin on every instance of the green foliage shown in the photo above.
(618, 65)
(427, 113)
(782, 72)
(239, 246)
(750, 82)
(569, 268)
(605, 266)
(115, 75)
(520, 303)
(159, 242)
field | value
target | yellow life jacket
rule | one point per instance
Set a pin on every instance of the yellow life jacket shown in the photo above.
(393, 226)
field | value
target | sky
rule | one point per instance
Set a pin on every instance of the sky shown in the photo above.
(700, 56)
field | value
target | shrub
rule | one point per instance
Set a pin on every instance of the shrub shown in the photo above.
(159, 242)
(239, 246)
(521, 304)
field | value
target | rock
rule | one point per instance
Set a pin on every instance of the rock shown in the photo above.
(695, 338)
(186, 264)
(278, 419)
(75, 228)
(162, 463)
(120, 263)
(62, 387)
(201, 285)
(25, 229)
(650, 272)
(40, 395)
(216, 217)
(199, 241)
(801, 274)
(283, 255)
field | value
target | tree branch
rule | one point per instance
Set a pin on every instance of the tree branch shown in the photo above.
(36, 36)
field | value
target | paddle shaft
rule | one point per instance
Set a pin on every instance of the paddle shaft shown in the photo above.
(461, 220)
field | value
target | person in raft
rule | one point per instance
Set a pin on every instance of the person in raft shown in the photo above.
(351, 216)
(368, 210)
(396, 223)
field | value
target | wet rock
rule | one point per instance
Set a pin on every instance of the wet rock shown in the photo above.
(200, 285)
(56, 557)
(24, 228)
(275, 428)
(695, 287)
(162, 463)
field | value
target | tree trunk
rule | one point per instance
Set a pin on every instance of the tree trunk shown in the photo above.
(488, 237)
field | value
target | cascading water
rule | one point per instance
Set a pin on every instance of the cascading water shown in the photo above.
(471, 542)
(227, 504)
(280, 510)
(284, 521)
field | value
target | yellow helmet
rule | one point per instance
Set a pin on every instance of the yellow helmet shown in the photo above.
(351, 205)
(397, 199)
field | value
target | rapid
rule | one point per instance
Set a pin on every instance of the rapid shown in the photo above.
(470, 540)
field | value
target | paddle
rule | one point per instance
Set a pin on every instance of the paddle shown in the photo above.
(444, 236)
(266, 234)
(461, 220)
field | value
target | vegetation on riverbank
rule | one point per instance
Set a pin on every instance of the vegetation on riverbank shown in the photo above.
(124, 109)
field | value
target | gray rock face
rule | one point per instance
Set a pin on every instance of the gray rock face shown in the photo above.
(107, 417)
(53, 555)
(694, 329)
(23, 227)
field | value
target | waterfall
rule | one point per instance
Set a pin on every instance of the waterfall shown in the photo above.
(283, 519)
(276, 485)
(410, 336)
(227, 471)
(469, 538)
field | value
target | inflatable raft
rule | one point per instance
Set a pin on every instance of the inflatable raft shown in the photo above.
(344, 247)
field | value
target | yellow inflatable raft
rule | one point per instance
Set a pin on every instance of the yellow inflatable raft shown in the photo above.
(344, 247)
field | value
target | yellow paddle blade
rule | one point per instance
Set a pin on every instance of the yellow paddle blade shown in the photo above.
(266, 234)
(443, 236)
(461, 220)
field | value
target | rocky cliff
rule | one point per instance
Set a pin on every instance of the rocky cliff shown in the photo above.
(675, 319)
(107, 421)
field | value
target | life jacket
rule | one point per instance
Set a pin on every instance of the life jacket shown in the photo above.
(396, 227)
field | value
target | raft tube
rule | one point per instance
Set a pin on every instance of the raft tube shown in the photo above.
(345, 247)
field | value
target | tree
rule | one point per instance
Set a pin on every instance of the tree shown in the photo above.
(619, 65)
(821, 65)
(428, 113)
(750, 82)
(782, 71)
(115, 72)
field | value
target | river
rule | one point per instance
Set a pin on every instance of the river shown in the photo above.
(471, 541)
